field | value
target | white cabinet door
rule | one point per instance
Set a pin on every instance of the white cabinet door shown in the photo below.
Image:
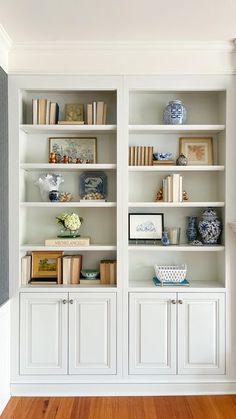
(152, 333)
(201, 333)
(92, 333)
(43, 333)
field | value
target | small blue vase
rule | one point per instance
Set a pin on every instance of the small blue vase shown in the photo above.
(191, 231)
(54, 196)
(175, 113)
(165, 239)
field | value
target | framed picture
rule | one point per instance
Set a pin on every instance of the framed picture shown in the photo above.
(199, 151)
(93, 185)
(45, 264)
(77, 149)
(146, 226)
(74, 112)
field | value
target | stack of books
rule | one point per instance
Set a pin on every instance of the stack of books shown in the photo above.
(173, 188)
(140, 156)
(108, 271)
(69, 268)
(44, 112)
(96, 113)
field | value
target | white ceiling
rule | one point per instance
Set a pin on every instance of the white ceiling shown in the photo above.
(118, 20)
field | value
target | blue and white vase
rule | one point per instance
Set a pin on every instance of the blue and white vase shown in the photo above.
(54, 195)
(175, 113)
(165, 239)
(210, 227)
(191, 231)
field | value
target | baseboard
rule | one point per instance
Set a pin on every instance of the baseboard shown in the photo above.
(3, 402)
(124, 389)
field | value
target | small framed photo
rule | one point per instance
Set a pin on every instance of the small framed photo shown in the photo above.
(77, 149)
(74, 112)
(198, 150)
(45, 264)
(143, 226)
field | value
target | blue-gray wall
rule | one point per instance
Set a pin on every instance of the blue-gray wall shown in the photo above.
(4, 272)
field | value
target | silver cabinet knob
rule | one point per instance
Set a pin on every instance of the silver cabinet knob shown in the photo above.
(64, 301)
(173, 301)
(71, 301)
(180, 301)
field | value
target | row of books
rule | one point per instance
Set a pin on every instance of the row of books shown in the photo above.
(45, 112)
(173, 188)
(140, 156)
(68, 272)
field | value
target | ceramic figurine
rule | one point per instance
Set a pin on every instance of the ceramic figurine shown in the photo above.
(191, 231)
(165, 239)
(210, 227)
(175, 113)
(159, 196)
(54, 196)
(52, 158)
(65, 159)
(182, 160)
(185, 196)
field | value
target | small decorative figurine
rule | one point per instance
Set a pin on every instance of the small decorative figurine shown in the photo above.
(52, 158)
(65, 197)
(165, 239)
(185, 196)
(65, 159)
(78, 161)
(182, 160)
(159, 196)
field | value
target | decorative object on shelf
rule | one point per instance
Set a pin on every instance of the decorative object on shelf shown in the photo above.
(45, 264)
(140, 156)
(159, 196)
(48, 182)
(196, 243)
(191, 230)
(54, 196)
(52, 158)
(198, 150)
(90, 273)
(170, 273)
(163, 156)
(65, 197)
(175, 113)
(74, 112)
(93, 185)
(185, 196)
(165, 238)
(159, 283)
(174, 235)
(146, 226)
(71, 223)
(182, 160)
(74, 149)
(65, 160)
(68, 242)
(210, 226)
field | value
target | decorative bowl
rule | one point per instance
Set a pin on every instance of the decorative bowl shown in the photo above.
(90, 273)
(163, 156)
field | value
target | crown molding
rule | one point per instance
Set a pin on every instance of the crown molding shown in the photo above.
(121, 57)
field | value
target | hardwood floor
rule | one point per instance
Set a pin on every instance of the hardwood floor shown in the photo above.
(182, 407)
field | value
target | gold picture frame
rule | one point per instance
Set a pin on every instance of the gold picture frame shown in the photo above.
(198, 150)
(45, 264)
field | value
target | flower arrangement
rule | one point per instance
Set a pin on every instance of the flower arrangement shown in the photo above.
(70, 222)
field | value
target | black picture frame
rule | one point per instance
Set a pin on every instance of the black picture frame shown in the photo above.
(153, 231)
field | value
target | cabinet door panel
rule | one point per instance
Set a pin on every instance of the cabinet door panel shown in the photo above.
(43, 333)
(92, 334)
(152, 334)
(201, 331)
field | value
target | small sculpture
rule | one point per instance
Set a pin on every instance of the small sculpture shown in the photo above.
(182, 160)
(65, 197)
(52, 158)
(159, 196)
(185, 196)
(165, 239)
(65, 159)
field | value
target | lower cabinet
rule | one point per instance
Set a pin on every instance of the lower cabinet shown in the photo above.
(177, 333)
(67, 333)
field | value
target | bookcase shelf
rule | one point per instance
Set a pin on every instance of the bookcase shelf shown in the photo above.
(66, 167)
(197, 286)
(66, 129)
(74, 204)
(90, 248)
(187, 204)
(177, 129)
(170, 168)
(173, 248)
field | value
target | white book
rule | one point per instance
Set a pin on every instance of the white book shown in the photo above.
(25, 269)
(169, 189)
(94, 113)
(35, 111)
(100, 111)
(180, 188)
(48, 112)
(175, 178)
(165, 188)
(66, 269)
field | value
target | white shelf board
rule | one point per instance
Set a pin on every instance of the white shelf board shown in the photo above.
(66, 129)
(170, 168)
(147, 285)
(74, 204)
(173, 248)
(91, 248)
(66, 167)
(178, 129)
(185, 204)
(69, 287)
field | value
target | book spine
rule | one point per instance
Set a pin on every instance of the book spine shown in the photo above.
(59, 270)
(102, 272)
(142, 155)
(100, 111)
(104, 119)
(180, 188)
(131, 156)
(68, 242)
(75, 269)
(47, 112)
(135, 155)
(89, 113)
(66, 266)
(35, 111)
(146, 156)
(164, 185)
(25, 270)
(150, 156)
(94, 113)
(42, 104)
(176, 182)
(139, 156)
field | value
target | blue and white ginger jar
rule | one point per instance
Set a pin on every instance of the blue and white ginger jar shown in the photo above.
(210, 227)
(175, 113)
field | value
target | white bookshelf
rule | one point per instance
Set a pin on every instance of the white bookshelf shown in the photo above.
(173, 169)
(66, 129)
(187, 204)
(74, 204)
(173, 248)
(170, 129)
(91, 248)
(65, 167)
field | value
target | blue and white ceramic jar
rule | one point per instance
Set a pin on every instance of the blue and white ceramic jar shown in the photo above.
(210, 227)
(191, 231)
(54, 195)
(175, 113)
(165, 238)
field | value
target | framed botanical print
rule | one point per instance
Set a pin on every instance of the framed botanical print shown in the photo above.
(198, 150)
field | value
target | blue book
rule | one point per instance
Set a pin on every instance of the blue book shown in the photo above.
(158, 283)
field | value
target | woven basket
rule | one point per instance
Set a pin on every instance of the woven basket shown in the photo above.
(171, 273)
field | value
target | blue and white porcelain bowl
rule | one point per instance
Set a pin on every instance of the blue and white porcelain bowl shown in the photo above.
(90, 273)
(163, 156)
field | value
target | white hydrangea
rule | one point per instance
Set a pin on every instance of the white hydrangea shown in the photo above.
(72, 222)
